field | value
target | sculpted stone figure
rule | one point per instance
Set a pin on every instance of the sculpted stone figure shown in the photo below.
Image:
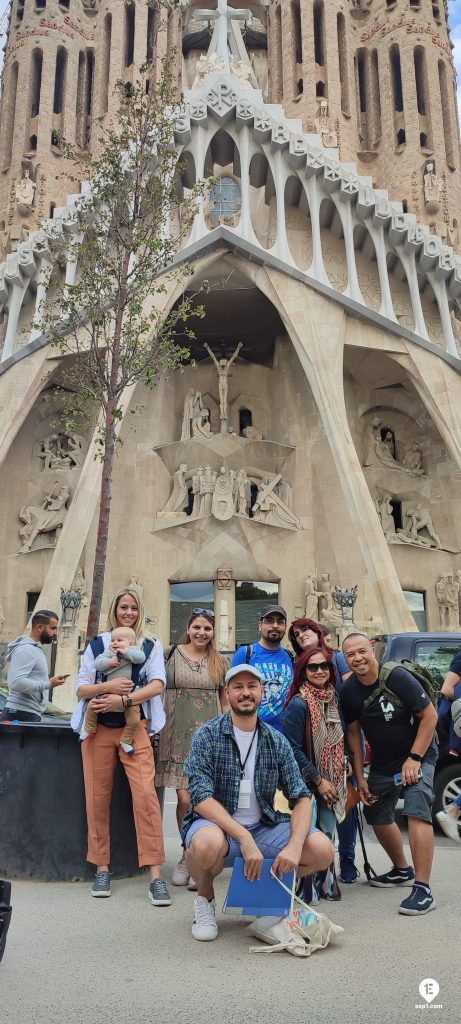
(270, 508)
(252, 434)
(380, 449)
(447, 591)
(328, 610)
(25, 193)
(200, 418)
(324, 127)
(412, 460)
(208, 66)
(79, 583)
(196, 479)
(186, 431)
(223, 503)
(420, 519)
(223, 366)
(311, 597)
(453, 601)
(242, 493)
(207, 486)
(433, 188)
(177, 501)
(196, 418)
(61, 451)
(441, 591)
(244, 71)
(135, 584)
(384, 510)
(44, 518)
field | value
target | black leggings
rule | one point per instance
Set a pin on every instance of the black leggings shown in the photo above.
(11, 715)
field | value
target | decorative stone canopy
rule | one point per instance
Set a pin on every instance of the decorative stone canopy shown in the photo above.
(223, 109)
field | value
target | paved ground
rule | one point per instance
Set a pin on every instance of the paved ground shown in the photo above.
(121, 961)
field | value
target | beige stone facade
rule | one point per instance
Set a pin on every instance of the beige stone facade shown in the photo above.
(334, 451)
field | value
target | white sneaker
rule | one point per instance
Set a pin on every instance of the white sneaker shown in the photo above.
(204, 927)
(449, 825)
(181, 873)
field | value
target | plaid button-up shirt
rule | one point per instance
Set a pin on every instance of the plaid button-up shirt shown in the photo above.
(213, 770)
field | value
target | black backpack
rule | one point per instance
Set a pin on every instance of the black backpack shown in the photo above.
(419, 673)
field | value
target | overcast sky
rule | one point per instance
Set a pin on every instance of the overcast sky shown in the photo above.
(454, 7)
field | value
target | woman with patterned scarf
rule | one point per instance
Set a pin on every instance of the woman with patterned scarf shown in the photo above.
(312, 725)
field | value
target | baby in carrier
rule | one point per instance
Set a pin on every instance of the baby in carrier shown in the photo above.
(117, 660)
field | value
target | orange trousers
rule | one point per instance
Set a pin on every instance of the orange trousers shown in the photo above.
(99, 756)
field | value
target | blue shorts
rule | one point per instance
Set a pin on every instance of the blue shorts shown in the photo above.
(270, 839)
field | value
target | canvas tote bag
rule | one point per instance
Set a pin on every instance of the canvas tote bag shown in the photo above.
(301, 933)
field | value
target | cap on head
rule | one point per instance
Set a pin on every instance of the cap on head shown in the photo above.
(272, 609)
(237, 670)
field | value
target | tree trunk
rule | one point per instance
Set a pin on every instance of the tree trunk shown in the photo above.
(103, 527)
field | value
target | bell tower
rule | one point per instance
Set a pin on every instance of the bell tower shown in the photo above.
(380, 74)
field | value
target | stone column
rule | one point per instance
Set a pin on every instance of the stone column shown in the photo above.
(317, 330)
(225, 610)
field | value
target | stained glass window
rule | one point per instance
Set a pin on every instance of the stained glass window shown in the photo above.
(225, 200)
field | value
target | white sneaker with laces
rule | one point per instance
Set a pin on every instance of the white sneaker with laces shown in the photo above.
(181, 873)
(449, 825)
(204, 928)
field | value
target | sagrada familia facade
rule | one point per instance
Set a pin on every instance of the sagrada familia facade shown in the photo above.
(316, 441)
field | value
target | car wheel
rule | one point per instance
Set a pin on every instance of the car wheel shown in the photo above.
(447, 787)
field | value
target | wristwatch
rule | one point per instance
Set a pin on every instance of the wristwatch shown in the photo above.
(129, 703)
(415, 757)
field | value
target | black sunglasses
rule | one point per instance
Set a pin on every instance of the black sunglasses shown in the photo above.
(323, 666)
(203, 611)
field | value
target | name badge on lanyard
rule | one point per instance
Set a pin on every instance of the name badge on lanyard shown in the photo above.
(244, 794)
(245, 790)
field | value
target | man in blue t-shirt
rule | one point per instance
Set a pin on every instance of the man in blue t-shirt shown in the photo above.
(273, 662)
(451, 690)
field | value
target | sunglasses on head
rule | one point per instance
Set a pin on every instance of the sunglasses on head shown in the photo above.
(203, 611)
(323, 666)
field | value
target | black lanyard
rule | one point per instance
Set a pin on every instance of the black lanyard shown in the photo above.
(243, 766)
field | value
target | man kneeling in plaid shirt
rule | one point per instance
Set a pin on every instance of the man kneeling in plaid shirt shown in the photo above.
(235, 765)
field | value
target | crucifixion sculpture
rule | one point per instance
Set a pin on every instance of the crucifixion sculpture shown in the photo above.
(223, 15)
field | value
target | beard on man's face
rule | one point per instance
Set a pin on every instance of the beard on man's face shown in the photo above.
(244, 707)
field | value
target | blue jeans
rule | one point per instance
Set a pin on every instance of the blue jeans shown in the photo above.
(347, 835)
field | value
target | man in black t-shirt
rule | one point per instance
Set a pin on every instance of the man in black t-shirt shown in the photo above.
(402, 739)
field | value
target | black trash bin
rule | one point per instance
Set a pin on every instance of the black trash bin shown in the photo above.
(42, 807)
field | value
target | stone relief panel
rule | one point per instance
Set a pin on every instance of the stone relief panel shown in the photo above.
(224, 493)
(380, 449)
(418, 529)
(59, 451)
(43, 521)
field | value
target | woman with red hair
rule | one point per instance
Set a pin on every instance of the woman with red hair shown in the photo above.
(313, 727)
(305, 633)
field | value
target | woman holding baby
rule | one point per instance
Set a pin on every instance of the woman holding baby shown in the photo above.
(141, 688)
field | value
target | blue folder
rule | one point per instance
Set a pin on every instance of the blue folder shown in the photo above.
(262, 898)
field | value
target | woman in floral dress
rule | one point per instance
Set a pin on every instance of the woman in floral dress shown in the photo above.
(194, 693)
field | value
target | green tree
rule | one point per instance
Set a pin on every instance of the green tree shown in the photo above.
(107, 323)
